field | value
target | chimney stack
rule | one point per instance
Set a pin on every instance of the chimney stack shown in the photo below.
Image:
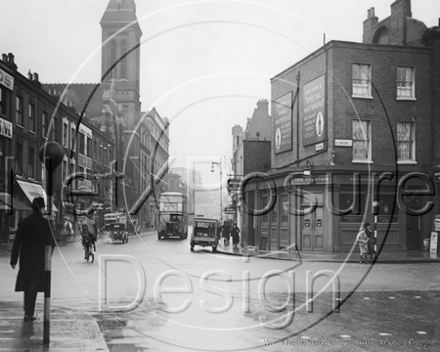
(35, 77)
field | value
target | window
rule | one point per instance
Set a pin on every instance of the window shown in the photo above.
(82, 141)
(44, 121)
(19, 111)
(2, 101)
(19, 156)
(31, 116)
(361, 140)
(94, 150)
(54, 129)
(64, 171)
(405, 82)
(73, 138)
(406, 141)
(362, 81)
(65, 134)
(31, 161)
(89, 147)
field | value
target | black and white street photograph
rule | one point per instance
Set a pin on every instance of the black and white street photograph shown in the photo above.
(219, 175)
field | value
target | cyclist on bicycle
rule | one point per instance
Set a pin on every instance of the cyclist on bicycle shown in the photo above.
(87, 239)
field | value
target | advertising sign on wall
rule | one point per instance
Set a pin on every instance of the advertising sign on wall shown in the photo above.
(314, 119)
(5, 128)
(283, 123)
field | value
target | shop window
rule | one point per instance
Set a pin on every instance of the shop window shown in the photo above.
(361, 141)
(405, 83)
(406, 141)
(361, 81)
(347, 200)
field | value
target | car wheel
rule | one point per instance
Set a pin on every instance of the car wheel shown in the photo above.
(214, 249)
(126, 240)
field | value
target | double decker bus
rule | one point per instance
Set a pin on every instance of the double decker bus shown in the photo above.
(173, 216)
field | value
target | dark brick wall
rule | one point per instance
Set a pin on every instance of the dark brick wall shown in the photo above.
(384, 110)
(256, 156)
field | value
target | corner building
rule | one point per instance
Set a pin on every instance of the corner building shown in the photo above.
(354, 123)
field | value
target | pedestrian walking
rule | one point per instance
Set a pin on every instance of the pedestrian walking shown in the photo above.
(30, 246)
(235, 231)
(362, 239)
(226, 232)
(371, 238)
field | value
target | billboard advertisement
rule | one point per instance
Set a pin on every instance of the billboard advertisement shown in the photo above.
(314, 118)
(283, 123)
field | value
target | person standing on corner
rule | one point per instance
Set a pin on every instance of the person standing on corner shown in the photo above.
(30, 246)
(235, 235)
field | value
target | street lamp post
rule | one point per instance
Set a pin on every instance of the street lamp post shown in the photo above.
(375, 213)
(51, 154)
(219, 164)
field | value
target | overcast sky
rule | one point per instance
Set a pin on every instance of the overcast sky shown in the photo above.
(204, 64)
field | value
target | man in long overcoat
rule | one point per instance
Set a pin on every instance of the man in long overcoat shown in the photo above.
(29, 245)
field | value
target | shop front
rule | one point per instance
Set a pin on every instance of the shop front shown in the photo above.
(323, 212)
(11, 211)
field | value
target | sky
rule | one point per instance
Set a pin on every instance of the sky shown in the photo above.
(204, 63)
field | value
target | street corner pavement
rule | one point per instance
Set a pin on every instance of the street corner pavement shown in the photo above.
(69, 330)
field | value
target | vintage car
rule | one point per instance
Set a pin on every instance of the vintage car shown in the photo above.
(205, 233)
(118, 232)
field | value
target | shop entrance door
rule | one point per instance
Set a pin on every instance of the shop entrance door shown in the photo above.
(313, 230)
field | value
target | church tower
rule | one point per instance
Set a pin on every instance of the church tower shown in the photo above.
(121, 36)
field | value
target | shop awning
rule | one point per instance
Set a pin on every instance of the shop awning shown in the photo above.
(8, 203)
(33, 190)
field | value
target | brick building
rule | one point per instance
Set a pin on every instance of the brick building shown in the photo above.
(354, 123)
(251, 153)
(29, 117)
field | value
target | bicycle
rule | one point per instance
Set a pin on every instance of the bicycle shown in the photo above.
(89, 253)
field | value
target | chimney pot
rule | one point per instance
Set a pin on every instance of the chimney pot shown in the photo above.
(29, 75)
(11, 58)
(5, 57)
(35, 77)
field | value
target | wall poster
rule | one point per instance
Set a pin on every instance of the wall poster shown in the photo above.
(314, 118)
(283, 123)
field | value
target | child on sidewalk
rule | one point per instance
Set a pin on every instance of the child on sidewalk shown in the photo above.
(362, 239)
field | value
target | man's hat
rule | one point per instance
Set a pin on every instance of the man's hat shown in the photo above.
(38, 202)
(367, 224)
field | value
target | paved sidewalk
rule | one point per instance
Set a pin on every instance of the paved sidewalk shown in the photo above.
(69, 330)
(390, 257)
